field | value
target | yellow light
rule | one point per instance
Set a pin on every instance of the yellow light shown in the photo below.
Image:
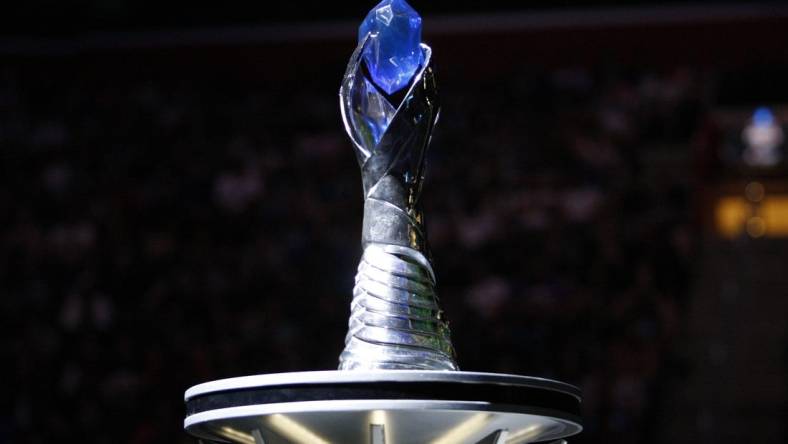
(294, 431)
(731, 214)
(525, 435)
(465, 429)
(237, 435)
(774, 211)
(768, 217)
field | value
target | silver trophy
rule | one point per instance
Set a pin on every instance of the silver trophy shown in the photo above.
(395, 320)
(398, 382)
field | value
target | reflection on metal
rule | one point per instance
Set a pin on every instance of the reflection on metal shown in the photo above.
(525, 435)
(377, 427)
(237, 436)
(501, 437)
(464, 430)
(395, 320)
(498, 435)
(258, 437)
(293, 430)
(377, 434)
(377, 417)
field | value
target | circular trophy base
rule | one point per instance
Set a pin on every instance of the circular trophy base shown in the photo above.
(383, 407)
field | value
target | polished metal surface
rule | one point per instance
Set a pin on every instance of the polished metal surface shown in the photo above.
(395, 321)
(377, 376)
(381, 420)
(400, 422)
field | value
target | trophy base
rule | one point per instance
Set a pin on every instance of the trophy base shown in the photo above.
(383, 407)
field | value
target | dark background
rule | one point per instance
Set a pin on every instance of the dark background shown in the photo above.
(179, 203)
(53, 17)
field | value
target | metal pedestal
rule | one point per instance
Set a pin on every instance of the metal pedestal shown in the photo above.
(383, 407)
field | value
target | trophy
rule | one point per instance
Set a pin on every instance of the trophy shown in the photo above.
(398, 382)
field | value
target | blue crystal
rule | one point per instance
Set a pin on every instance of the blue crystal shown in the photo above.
(393, 54)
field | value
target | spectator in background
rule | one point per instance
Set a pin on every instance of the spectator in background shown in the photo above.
(158, 235)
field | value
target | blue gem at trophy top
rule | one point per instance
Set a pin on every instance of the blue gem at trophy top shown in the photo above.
(393, 54)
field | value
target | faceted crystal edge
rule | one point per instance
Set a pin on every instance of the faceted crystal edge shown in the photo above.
(345, 96)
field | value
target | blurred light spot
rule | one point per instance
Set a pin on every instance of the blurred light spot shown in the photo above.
(756, 227)
(763, 138)
(763, 116)
(734, 215)
(754, 191)
(774, 211)
(730, 216)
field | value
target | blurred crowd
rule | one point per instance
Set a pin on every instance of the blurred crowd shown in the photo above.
(158, 233)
